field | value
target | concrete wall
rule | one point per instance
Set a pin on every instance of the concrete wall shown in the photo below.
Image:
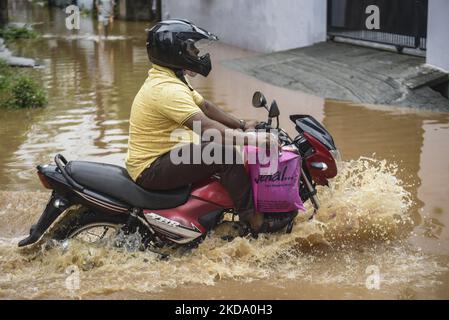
(3, 12)
(85, 4)
(259, 25)
(60, 3)
(438, 35)
(135, 9)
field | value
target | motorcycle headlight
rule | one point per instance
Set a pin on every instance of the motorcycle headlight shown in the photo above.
(336, 155)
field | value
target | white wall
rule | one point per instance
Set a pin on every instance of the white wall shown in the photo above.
(438, 34)
(259, 25)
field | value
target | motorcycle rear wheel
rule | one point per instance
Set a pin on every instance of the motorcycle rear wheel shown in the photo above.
(90, 226)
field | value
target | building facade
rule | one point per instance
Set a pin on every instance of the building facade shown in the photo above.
(276, 25)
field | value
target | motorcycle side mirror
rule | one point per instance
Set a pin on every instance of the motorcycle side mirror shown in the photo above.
(274, 110)
(259, 100)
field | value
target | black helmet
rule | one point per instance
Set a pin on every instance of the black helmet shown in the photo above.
(171, 43)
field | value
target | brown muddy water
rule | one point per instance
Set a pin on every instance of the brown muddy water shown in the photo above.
(388, 208)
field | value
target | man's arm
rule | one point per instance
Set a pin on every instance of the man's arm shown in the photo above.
(208, 123)
(215, 113)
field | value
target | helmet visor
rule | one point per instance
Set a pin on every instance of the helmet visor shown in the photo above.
(198, 48)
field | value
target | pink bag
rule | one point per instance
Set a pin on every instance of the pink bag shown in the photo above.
(278, 192)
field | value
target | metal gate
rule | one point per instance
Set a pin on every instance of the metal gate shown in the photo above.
(402, 23)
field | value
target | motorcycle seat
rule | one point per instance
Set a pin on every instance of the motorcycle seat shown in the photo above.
(114, 181)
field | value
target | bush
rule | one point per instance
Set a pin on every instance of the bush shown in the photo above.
(19, 91)
(11, 33)
(27, 94)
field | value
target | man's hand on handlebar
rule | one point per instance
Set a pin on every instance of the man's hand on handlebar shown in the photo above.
(250, 125)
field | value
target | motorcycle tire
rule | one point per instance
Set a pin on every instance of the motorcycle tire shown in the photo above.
(79, 219)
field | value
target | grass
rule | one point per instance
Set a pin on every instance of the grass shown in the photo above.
(18, 90)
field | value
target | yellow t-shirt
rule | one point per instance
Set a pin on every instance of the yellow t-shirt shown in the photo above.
(163, 104)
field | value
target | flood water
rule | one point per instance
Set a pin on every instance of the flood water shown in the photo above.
(388, 209)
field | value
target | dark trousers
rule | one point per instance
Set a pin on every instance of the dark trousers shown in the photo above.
(163, 174)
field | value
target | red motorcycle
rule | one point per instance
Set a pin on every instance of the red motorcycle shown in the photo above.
(97, 199)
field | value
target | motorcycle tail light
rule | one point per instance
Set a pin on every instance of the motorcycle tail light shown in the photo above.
(44, 180)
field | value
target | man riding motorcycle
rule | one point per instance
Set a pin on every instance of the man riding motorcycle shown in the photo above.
(185, 200)
(167, 102)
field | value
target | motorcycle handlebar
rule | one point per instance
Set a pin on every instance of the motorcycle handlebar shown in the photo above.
(282, 135)
(262, 126)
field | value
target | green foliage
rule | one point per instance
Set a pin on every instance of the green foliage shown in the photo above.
(11, 33)
(86, 12)
(19, 91)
